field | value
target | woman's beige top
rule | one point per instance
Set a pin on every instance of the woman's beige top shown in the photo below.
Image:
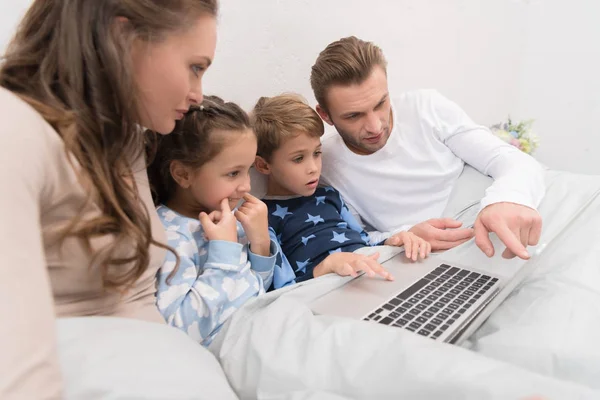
(39, 194)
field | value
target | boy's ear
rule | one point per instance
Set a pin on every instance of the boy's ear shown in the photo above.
(180, 174)
(262, 165)
(324, 115)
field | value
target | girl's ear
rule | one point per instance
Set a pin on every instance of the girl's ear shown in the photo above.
(181, 174)
(262, 165)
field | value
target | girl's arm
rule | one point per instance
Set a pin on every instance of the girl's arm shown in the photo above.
(198, 299)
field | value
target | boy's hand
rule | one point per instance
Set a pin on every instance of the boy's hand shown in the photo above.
(220, 225)
(252, 214)
(414, 246)
(345, 264)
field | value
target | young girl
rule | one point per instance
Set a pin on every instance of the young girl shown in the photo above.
(199, 174)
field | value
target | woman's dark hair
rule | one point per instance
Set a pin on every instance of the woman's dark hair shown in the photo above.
(194, 141)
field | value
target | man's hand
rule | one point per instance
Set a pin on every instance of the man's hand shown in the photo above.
(442, 233)
(517, 226)
(414, 246)
(345, 264)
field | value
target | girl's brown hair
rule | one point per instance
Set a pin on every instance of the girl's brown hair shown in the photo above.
(196, 139)
(70, 60)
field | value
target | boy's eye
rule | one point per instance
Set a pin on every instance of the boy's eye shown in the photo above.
(298, 159)
(233, 174)
(197, 69)
(318, 153)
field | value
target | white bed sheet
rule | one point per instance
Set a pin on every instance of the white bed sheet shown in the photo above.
(541, 341)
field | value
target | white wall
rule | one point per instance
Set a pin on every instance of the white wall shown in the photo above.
(559, 82)
(527, 58)
(11, 12)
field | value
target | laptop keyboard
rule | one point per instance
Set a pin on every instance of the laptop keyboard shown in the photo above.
(431, 305)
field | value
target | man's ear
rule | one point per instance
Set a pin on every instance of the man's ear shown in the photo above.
(180, 174)
(324, 115)
(262, 165)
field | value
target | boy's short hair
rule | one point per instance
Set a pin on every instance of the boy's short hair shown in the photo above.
(347, 61)
(278, 118)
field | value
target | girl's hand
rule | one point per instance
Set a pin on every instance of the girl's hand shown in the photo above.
(252, 214)
(220, 225)
(414, 246)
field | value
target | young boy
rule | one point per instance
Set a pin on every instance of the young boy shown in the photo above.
(316, 231)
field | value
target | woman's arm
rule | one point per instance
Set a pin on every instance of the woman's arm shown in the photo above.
(28, 363)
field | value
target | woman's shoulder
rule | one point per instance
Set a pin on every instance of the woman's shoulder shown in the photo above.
(20, 124)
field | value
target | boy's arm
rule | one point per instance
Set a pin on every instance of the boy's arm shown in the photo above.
(354, 221)
(198, 299)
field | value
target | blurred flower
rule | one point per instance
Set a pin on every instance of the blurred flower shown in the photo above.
(518, 135)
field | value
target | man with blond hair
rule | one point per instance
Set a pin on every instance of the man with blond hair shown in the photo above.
(396, 159)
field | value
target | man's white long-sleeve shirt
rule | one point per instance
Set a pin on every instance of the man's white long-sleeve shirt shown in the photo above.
(410, 179)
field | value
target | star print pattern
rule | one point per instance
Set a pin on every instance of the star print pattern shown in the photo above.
(306, 239)
(339, 237)
(302, 265)
(310, 228)
(315, 219)
(281, 212)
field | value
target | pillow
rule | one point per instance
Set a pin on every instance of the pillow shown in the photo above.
(119, 358)
(258, 182)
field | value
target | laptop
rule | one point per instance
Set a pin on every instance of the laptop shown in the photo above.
(438, 298)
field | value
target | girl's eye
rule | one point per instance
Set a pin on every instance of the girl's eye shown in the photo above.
(318, 153)
(233, 174)
(298, 160)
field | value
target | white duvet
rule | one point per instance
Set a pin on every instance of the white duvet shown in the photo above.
(543, 340)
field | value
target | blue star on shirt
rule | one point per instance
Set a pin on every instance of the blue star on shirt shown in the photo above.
(314, 219)
(302, 265)
(338, 250)
(281, 212)
(320, 200)
(306, 239)
(339, 237)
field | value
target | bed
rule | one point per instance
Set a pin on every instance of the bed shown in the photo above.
(542, 340)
